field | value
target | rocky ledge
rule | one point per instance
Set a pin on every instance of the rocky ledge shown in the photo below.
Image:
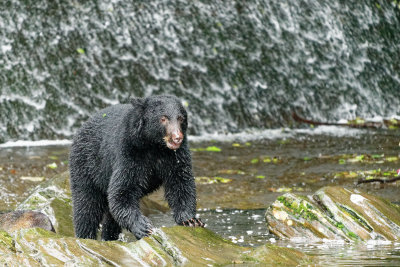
(168, 246)
(334, 213)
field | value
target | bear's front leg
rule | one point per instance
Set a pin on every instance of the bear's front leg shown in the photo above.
(123, 200)
(180, 192)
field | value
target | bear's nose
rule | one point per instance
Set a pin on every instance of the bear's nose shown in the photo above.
(177, 137)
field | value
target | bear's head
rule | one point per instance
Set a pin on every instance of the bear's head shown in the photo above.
(163, 121)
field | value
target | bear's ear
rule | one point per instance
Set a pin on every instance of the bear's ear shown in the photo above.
(137, 101)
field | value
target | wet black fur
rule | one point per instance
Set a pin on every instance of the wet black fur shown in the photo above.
(119, 156)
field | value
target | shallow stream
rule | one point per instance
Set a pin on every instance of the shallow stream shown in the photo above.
(239, 176)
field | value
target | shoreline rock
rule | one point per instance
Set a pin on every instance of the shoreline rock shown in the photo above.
(334, 213)
(168, 246)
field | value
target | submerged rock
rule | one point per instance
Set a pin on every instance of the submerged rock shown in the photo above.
(334, 213)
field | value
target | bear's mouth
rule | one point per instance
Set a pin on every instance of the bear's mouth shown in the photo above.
(171, 144)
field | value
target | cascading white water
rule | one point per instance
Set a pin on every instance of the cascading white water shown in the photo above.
(237, 64)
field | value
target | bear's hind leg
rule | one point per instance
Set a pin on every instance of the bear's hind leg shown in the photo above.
(89, 207)
(111, 228)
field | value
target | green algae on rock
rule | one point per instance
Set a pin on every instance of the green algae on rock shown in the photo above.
(175, 246)
(53, 198)
(334, 212)
(171, 246)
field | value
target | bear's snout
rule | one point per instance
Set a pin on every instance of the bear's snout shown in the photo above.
(177, 137)
(174, 137)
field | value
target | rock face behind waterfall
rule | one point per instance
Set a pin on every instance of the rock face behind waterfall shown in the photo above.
(239, 65)
(334, 213)
(168, 246)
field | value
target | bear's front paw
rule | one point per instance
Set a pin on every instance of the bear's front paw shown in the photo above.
(142, 227)
(193, 222)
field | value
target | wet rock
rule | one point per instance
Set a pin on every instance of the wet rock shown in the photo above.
(53, 198)
(19, 219)
(175, 246)
(334, 213)
(171, 246)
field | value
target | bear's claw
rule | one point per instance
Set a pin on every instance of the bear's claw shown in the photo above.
(193, 222)
(142, 228)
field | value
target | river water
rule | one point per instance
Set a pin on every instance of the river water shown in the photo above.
(300, 161)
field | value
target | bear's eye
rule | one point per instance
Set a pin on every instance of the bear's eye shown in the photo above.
(163, 119)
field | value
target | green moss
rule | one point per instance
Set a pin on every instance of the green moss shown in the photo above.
(271, 255)
(38, 232)
(47, 193)
(339, 225)
(357, 218)
(311, 216)
(208, 149)
(63, 213)
(285, 202)
(254, 161)
(34, 201)
(213, 149)
(352, 235)
(247, 258)
(223, 180)
(7, 241)
(301, 208)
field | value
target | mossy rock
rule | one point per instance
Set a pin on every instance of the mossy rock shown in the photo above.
(271, 255)
(334, 212)
(53, 198)
(201, 247)
(175, 246)
(365, 216)
(6, 242)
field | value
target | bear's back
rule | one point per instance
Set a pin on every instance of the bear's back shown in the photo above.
(94, 145)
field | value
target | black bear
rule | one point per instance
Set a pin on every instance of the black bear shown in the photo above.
(123, 153)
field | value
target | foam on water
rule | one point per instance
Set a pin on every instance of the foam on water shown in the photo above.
(249, 135)
(23, 143)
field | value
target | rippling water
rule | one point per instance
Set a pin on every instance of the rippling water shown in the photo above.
(247, 227)
(237, 65)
